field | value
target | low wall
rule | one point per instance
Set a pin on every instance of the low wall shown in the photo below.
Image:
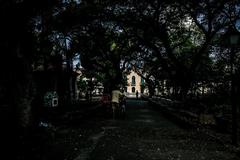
(173, 109)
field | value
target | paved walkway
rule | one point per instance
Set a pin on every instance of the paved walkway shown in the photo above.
(145, 134)
(148, 135)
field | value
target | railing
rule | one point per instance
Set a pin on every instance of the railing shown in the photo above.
(185, 116)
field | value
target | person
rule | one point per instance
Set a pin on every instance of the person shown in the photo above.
(116, 95)
(137, 94)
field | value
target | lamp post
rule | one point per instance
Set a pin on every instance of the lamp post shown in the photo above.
(233, 40)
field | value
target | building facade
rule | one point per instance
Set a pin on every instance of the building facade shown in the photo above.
(135, 83)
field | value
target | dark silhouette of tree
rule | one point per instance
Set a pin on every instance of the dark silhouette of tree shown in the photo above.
(182, 42)
(177, 42)
(18, 50)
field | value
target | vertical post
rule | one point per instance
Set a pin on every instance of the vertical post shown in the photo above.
(233, 101)
(232, 40)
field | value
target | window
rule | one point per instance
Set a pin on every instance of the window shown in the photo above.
(142, 81)
(133, 81)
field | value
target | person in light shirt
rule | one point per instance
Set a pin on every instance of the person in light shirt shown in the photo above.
(116, 95)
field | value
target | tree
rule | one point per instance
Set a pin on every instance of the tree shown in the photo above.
(181, 42)
(16, 84)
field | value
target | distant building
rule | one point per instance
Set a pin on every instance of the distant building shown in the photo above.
(135, 84)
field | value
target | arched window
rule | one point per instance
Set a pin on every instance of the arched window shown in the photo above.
(133, 89)
(142, 81)
(133, 81)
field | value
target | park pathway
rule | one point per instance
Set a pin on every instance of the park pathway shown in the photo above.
(147, 135)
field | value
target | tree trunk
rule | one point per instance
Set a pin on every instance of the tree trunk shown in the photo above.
(23, 92)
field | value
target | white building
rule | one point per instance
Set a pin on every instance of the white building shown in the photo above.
(135, 83)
